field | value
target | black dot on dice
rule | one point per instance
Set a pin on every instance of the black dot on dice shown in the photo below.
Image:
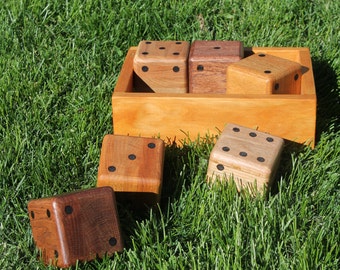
(262, 55)
(32, 214)
(178, 42)
(68, 209)
(277, 86)
(145, 69)
(148, 42)
(260, 159)
(132, 156)
(269, 139)
(236, 129)
(252, 134)
(175, 68)
(112, 241)
(217, 48)
(175, 53)
(56, 254)
(151, 145)
(296, 77)
(220, 167)
(225, 148)
(145, 53)
(267, 71)
(243, 154)
(200, 68)
(162, 48)
(111, 168)
(48, 213)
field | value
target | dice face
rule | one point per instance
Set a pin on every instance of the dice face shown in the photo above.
(76, 226)
(245, 154)
(264, 74)
(208, 62)
(132, 165)
(162, 65)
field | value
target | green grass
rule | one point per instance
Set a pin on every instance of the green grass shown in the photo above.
(59, 61)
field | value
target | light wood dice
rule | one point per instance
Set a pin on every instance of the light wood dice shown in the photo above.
(245, 155)
(263, 73)
(75, 226)
(133, 166)
(162, 65)
(208, 62)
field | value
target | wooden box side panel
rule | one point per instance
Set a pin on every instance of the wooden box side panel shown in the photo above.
(180, 117)
(125, 78)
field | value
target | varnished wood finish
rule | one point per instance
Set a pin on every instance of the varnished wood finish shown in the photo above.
(132, 165)
(264, 74)
(162, 65)
(246, 155)
(208, 63)
(76, 226)
(176, 116)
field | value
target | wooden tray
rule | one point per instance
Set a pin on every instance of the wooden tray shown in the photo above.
(139, 112)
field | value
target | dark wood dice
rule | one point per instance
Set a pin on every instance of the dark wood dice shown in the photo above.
(76, 226)
(208, 62)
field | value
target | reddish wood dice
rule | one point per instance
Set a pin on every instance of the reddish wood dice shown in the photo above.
(76, 226)
(208, 62)
(133, 166)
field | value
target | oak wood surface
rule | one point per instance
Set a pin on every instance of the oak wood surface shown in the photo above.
(246, 154)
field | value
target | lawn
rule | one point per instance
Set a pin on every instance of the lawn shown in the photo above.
(59, 62)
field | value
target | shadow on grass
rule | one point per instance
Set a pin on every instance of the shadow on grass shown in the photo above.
(328, 97)
(182, 163)
(328, 112)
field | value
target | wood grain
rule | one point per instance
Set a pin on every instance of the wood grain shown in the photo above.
(177, 116)
(245, 154)
(132, 164)
(264, 74)
(162, 65)
(76, 226)
(208, 62)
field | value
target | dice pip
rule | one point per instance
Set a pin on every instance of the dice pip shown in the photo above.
(162, 65)
(208, 62)
(264, 74)
(133, 166)
(247, 156)
(77, 226)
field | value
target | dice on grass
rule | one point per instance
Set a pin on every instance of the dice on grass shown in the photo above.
(133, 166)
(247, 156)
(77, 226)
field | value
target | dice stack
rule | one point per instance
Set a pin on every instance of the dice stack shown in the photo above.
(84, 225)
